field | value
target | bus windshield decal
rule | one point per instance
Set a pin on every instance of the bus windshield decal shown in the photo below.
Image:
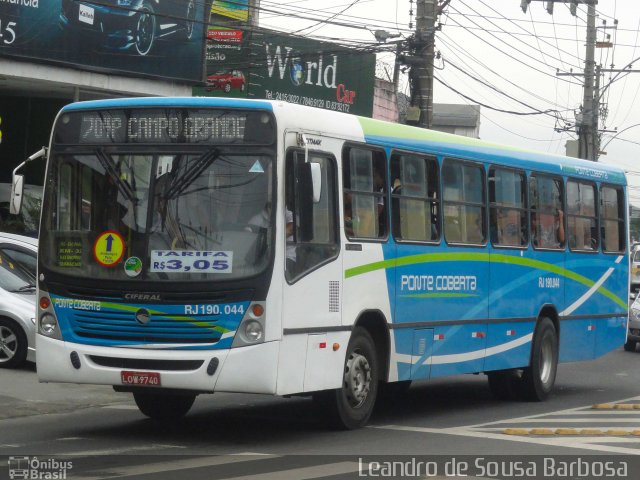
(174, 261)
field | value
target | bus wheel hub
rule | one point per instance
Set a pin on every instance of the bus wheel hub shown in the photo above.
(357, 379)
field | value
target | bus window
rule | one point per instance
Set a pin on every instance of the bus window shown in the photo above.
(547, 212)
(65, 183)
(365, 194)
(612, 219)
(463, 203)
(508, 217)
(581, 216)
(415, 198)
(311, 226)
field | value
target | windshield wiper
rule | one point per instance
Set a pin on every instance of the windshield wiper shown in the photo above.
(123, 187)
(181, 182)
(25, 288)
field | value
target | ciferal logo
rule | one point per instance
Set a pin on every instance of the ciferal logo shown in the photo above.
(146, 297)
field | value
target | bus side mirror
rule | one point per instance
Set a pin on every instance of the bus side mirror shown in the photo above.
(17, 182)
(316, 181)
(17, 190)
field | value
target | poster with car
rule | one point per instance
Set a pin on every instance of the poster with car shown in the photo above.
(226, 45)
(276, 66)
(155, 38)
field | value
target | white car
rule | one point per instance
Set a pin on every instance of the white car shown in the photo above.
(18, 265)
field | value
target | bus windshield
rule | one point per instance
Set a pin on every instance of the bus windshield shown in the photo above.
(123, 213)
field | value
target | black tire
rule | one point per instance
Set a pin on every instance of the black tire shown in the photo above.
(630, 345)
(187, 27)
(504, 384)
(162, 406)
(13, 344)
(145, 32)
(351, 406)
(539, 377)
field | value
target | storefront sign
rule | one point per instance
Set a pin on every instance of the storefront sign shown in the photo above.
(274, 66)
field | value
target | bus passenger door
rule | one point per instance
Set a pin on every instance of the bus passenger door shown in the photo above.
(313, 273)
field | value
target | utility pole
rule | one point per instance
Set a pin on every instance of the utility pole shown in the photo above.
(588, 131)
(427, 11)
(587, 120)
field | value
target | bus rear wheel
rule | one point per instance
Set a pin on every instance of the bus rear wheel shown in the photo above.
(538, 379)
(353, 403)
(162, 406)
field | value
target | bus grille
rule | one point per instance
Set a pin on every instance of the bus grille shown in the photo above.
(122, 326)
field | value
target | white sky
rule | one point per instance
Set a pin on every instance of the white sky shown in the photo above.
(521, 63)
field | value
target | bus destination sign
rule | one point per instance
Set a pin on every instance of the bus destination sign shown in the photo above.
(162, 126)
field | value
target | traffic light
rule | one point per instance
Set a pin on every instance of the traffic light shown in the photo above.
(0, 128)
(550, 8)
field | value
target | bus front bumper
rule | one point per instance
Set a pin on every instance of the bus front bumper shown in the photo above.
(249, 369)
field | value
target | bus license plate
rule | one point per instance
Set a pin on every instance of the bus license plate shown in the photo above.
(143, 379)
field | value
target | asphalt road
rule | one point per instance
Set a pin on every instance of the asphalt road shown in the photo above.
(252, 436)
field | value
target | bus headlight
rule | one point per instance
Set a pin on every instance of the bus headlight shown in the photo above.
(49, 326)
(253, 331)
(252, 327)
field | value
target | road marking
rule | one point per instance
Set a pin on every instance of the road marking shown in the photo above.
(121, 450)
(304, 473)
(174, 465)
(569, 420)
(581, 443)
(586, 437)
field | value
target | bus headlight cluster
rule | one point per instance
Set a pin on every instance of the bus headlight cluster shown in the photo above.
(252, 328)
(47, 321)
(48, 325)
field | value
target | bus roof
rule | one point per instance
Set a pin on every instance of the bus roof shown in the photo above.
(385, 134)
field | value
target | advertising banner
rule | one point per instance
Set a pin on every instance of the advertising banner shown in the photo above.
(156, 38)
(236, 9)
(276, 66)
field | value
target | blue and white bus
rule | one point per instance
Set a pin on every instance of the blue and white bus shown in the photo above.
(200, 245)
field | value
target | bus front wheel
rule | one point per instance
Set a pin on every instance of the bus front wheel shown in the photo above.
(538, 379)
(161, 406)
(353, 403)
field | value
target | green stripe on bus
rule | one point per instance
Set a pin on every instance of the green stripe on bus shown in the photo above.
(481, 257)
